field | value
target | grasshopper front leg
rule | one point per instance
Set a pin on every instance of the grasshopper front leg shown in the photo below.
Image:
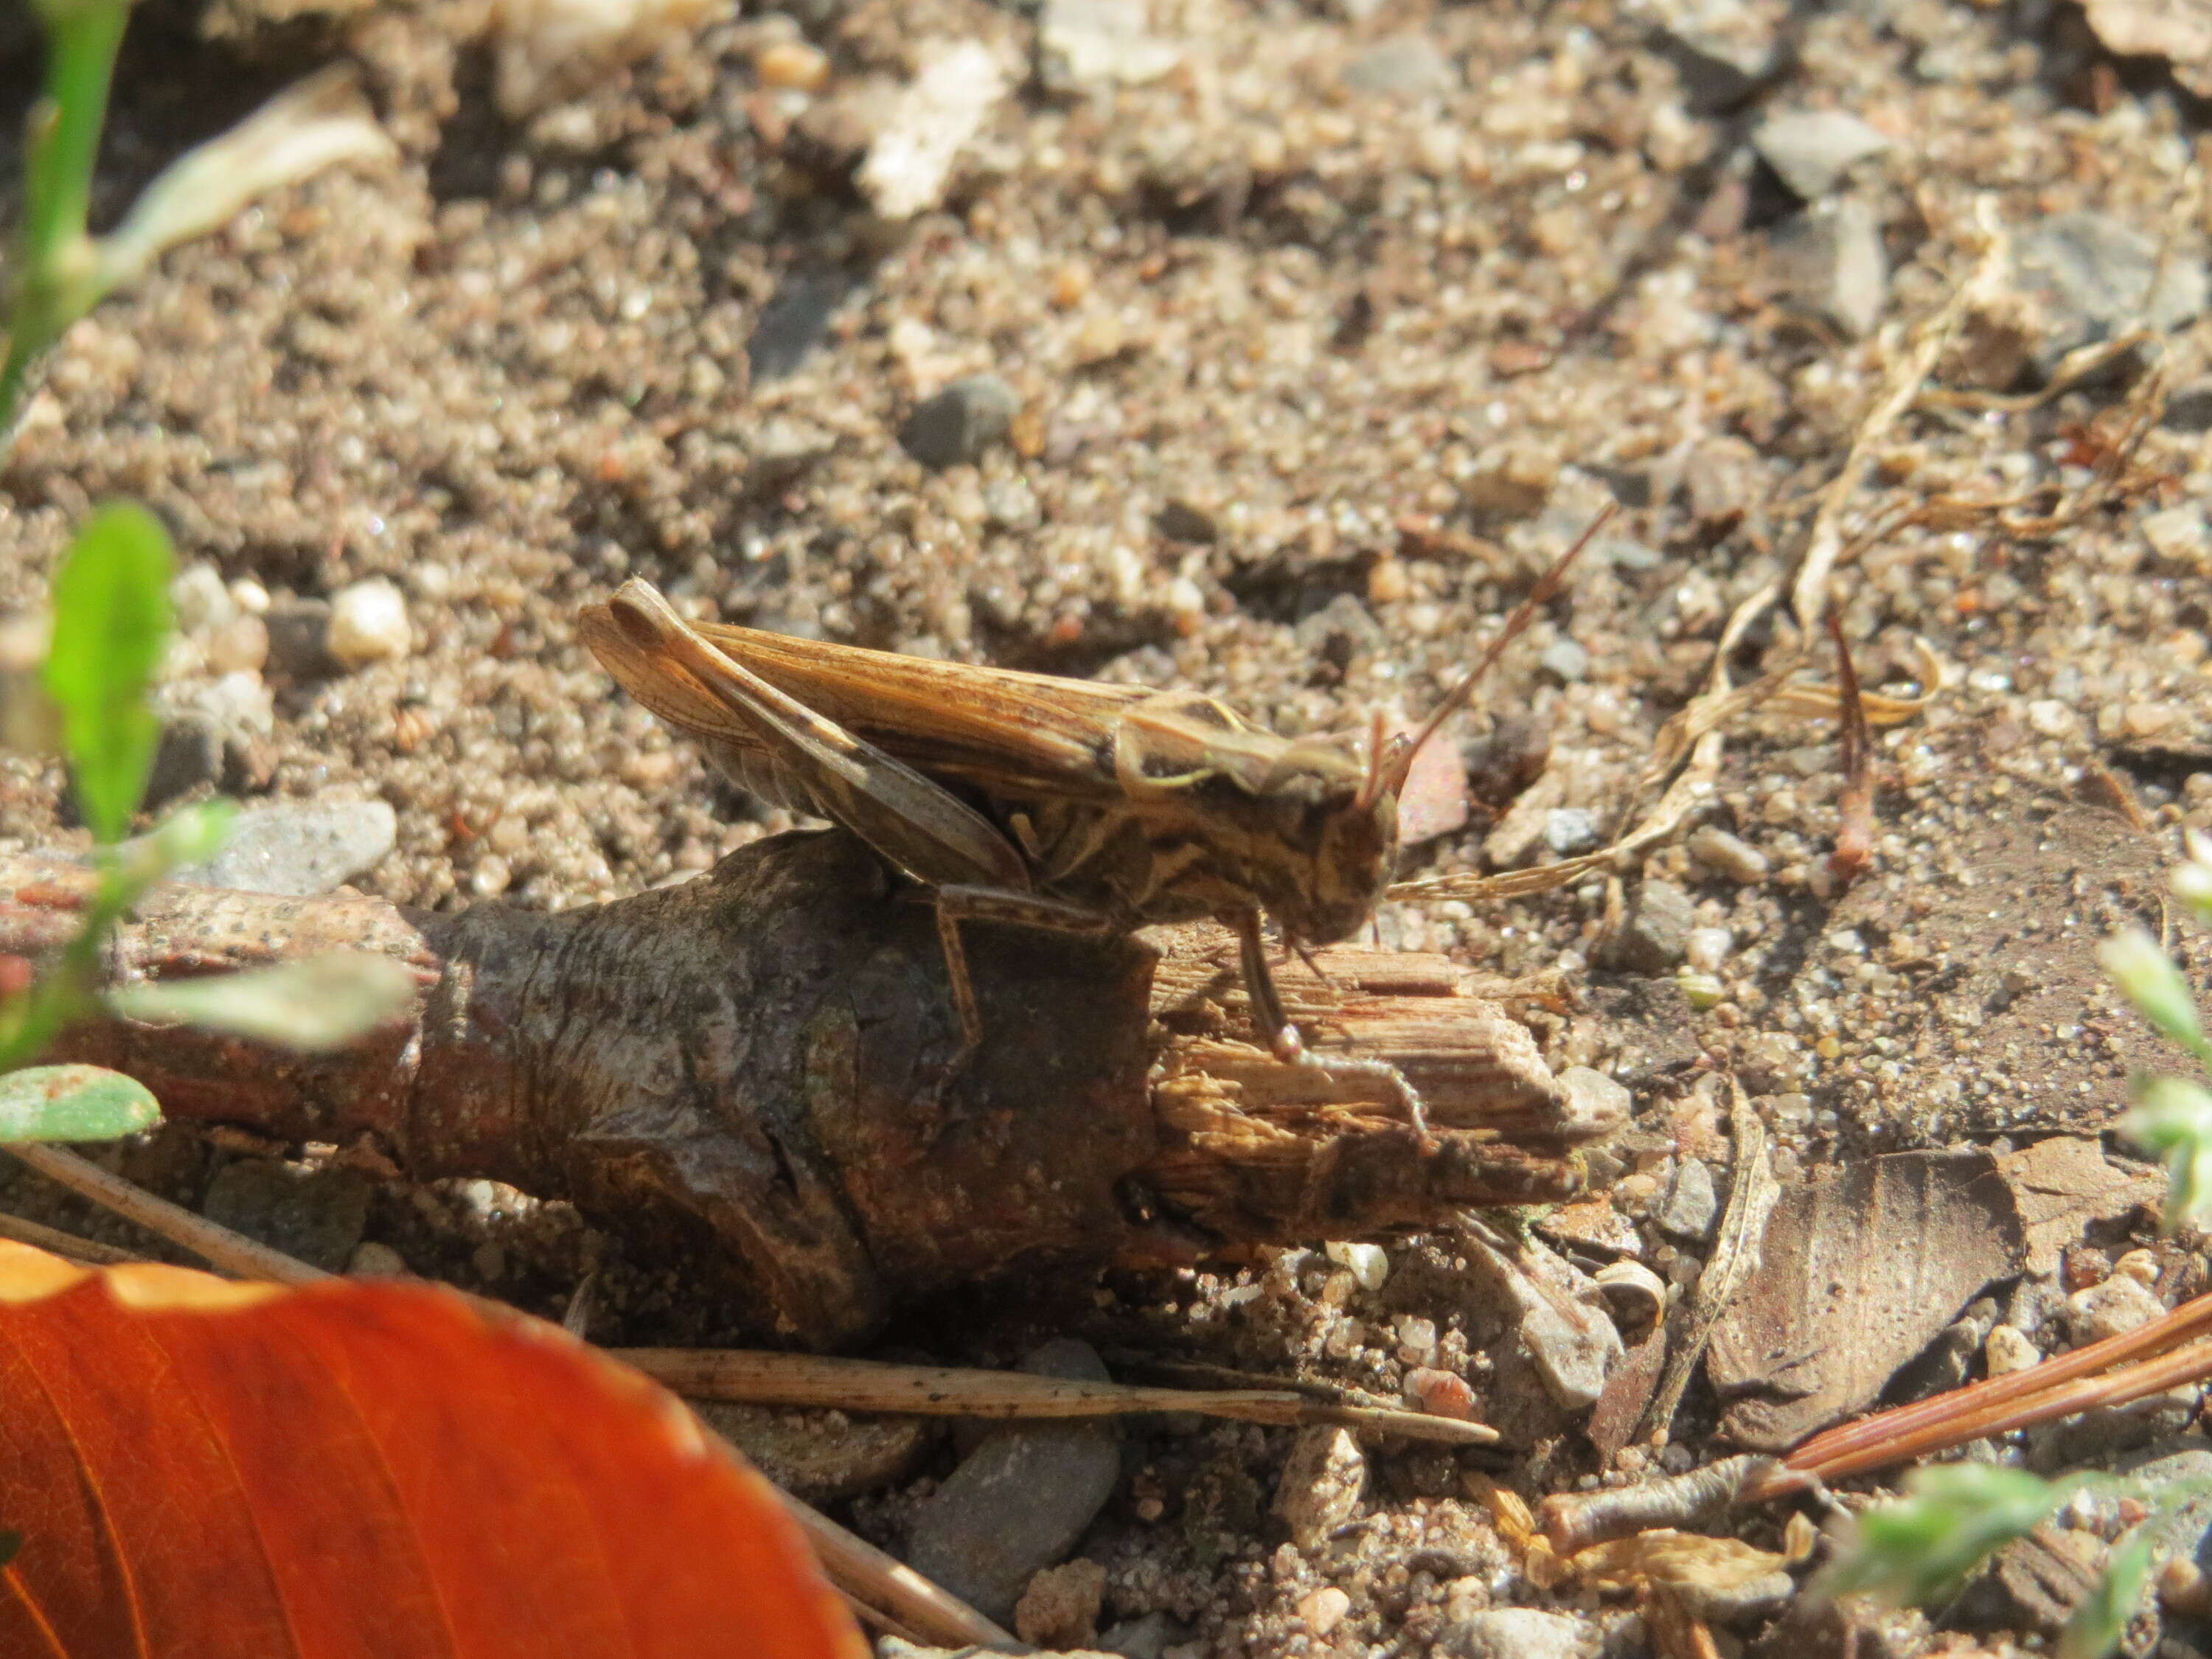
(1283, 1038)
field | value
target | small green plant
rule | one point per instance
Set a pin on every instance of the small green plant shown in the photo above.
(59, 270)
(110, 596)
(2173, 1116)
(111, 623)
(1921, 1547)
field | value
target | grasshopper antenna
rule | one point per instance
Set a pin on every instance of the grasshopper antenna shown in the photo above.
(1387, 771)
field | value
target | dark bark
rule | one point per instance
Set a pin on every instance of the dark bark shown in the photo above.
(756, 1054)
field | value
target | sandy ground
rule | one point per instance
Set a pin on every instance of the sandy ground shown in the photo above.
(1329, 325)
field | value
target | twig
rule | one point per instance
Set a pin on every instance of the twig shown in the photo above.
(233, 1252)
(1808, 594)
(1574, 1521)
(2190, 1364)
(1752, 1191)
(861, 1570)
(86, 1251)
(2041, 1392)
(1694, 739)
(1853, 848)
(687, 1064)
(792, 1379)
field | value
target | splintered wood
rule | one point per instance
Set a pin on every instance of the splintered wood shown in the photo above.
(747, 1071)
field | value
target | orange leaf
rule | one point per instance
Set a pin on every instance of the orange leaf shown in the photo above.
(203, 1469)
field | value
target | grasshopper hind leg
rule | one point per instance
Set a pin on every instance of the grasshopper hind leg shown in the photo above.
(959, 903)
(1287, 1046)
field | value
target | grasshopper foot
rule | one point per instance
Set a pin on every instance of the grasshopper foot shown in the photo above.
(1291, 1049)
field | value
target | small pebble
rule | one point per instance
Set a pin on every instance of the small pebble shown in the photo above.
(1323, 1481)
(372, 1260)
(1692, 1203)
(1020, 1500)
(2141, 1266)
(2121, 1304)
(299, 847)
(1060, 1608)
(1322, 1610)
(1183, 521)
(240, 645)
(1369, 1263)
(1565, 660)
(1701, 991)
(1654, 938)
(1707, 948)
(2182, 534)
(2007, 1349)
(1810, 150)
(1517, 1633)
(198, 601)
(1405, 63)
(299, 638)
(2148, 719)
(2050, 718)
(1727, 855)
(1440, 1393)
(960, 423)
(1570, 829)
(793, 64)
(369, 623)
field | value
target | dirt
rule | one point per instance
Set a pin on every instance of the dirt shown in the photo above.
(1323, 345)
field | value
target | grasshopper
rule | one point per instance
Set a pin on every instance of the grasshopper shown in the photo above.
(1060, 804)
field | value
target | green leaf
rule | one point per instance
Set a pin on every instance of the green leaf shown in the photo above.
(2192, 881)
(73, 1103)
(2102, 1618)
(192, 834)
(324, 1002)
(29, 1022)
(111, 622)
(2140, 966)
(1914, 1551)
(2172, 1117)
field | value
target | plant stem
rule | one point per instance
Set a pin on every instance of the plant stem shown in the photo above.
(56, 281)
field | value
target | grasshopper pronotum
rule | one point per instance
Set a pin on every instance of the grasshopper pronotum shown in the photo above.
(1060, 804)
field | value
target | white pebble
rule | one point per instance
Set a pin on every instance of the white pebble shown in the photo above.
(1368, 1262)
(1708, 947)
(369, 623)
(2008, 1350)
(199, 599)
(1737, 859)
(240, 645)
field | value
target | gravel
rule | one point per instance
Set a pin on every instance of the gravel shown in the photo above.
(1243, 343)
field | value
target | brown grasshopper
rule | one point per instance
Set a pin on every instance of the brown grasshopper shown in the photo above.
(1059, 804)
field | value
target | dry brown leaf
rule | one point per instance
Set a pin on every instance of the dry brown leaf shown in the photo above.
(361, 1467)
(1680, 1560)
(2064, 1183)
(1861, 1266)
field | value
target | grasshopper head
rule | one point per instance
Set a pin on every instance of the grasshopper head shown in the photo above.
(1337, 838)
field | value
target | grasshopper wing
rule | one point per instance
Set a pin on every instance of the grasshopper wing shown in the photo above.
(775, 744)
(1011, 735)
